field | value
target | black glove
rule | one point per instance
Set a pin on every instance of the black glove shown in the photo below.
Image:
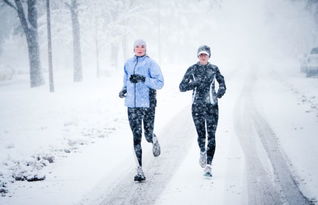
(194, 84)
(135, 78)
(123, 93)
(220, 93)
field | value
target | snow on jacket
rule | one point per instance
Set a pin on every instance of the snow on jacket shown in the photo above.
(201, 79)
(140, 94)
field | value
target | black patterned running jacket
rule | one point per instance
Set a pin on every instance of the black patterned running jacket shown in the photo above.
(201, 79)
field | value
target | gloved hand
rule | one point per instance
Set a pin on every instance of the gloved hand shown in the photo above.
(135, 78)
(220, 93)
(123, 93)
(194, 84)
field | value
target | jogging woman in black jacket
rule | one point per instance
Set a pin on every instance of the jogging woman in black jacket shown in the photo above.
(200, 78)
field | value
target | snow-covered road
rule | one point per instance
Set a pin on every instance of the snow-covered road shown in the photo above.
(257, 159)
(175, 177)
(269, 177)
(176, 139)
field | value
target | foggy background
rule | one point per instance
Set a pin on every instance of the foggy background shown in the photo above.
(238, 32)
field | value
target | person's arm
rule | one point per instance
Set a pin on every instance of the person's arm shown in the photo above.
(125, 76)
(188, 82)
(155, 81)
(222, 88)
(123, 91)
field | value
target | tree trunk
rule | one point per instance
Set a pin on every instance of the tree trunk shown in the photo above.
(30, 29)
(124, 41)
(97, 49)
(36, 78)
(114, 55)
(124, 46)
(49, 42)
(77, 56)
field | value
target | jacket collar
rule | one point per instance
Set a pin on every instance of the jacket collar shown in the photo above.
(198, 63)
(140, 57)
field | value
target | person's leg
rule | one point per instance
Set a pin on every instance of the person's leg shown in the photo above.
(198, 115)
(212, 121)
(135, 117)
(148, 121)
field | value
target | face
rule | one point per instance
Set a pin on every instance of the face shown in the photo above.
(203, 58)
(140, 50)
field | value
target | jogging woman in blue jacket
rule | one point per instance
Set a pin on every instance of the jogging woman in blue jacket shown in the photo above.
(142, 77)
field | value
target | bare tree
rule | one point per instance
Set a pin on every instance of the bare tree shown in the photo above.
(29, 24)
(49, 40)
(77, 56)
(97, 49)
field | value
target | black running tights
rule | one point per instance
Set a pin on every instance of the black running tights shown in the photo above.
(205, 117)
(137, 117)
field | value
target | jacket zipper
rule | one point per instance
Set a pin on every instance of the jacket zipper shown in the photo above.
(194, 91)
(135, 83)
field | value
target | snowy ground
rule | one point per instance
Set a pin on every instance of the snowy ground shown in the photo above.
(82, 130)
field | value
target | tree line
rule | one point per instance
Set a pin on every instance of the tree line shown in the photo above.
(113, 23)
(117, 15)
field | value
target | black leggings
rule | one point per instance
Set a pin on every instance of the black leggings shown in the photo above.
(136, 117)
(206, 115)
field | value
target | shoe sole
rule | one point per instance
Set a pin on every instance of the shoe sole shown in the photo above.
(207, 174)
(139, 180)
(156, 150)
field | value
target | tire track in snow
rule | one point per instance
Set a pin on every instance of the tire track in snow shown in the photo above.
(175, 141)
(290, 190)
(260, 188)
(278, 187)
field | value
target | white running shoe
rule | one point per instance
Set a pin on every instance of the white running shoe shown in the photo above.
(208, 170)
(202, 159)
(140, 176)
(155, 146)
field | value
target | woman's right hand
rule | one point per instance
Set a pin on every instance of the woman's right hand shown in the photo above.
(123, 93)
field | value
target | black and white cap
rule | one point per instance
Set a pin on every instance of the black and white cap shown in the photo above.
(204, 49)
